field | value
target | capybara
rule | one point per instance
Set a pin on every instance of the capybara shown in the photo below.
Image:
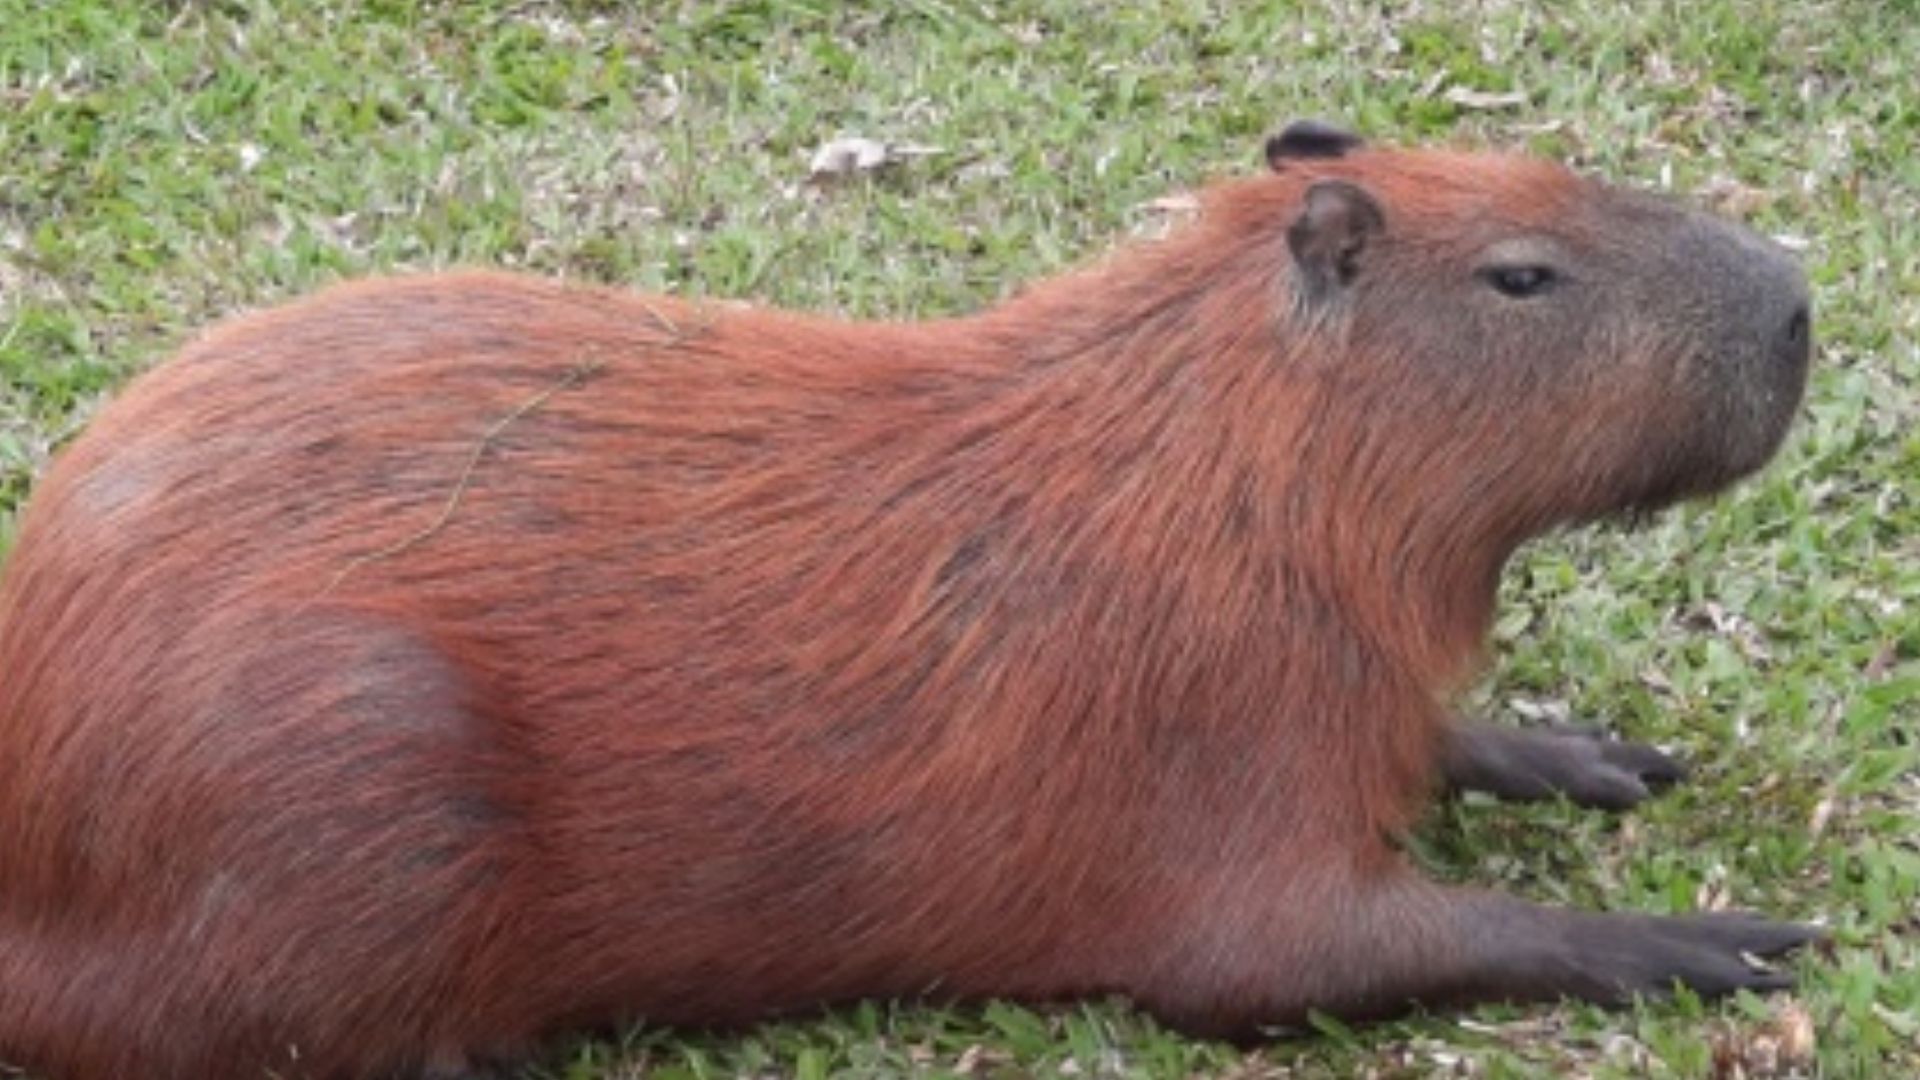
(408, 673)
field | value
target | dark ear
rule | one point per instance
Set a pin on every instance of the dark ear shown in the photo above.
(1336, 223)
(1309, 139)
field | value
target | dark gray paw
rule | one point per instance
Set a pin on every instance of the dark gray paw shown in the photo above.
(1582, 764)
(1618, 957)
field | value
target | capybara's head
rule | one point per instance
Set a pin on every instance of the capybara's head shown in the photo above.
(1547, 338)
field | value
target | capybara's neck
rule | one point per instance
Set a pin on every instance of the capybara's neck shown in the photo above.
(1191, 424)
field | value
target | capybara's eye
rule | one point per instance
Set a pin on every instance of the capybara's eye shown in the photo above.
(1520, 282)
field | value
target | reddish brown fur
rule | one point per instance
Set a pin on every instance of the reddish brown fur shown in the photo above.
(413, 671)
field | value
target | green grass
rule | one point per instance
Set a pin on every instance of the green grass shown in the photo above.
(162, 165)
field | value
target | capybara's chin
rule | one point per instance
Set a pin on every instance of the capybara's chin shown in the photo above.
(404, 674)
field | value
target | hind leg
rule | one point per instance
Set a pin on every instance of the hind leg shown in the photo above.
(322, 853)
(116, 1009)
(74, 1011)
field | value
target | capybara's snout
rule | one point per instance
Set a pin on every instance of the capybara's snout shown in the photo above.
(1773, 287)
(1763, 330)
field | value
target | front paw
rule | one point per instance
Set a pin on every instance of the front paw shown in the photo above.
(1618, 957)
(1593, 770)
(1577, 763)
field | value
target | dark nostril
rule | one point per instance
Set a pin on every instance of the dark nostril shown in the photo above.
(1799, 327)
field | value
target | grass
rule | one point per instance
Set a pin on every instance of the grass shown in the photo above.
(162, 165)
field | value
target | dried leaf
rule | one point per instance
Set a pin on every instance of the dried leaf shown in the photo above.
(857, 154)
(1793, 1027)
(1468, 98)
(1179, 202)
(1822, 813)
(1167, 213)
(840, 157)
(1782, 1046)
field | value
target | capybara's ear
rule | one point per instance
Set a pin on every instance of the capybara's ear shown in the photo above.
(1336, 222)
(1309, 139)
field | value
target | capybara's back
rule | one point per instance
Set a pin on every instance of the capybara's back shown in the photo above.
(397, 677)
